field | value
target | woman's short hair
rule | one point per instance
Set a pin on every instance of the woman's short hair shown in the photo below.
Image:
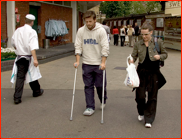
(148, 25)
(89, 14)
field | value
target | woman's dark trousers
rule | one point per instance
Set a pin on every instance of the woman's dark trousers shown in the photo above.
(116, 39)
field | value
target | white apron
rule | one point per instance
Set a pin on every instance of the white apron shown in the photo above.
(32, 74)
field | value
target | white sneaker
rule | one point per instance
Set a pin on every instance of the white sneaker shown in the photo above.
(102, 106)
(148, 125)
(88, 111)
(140, 117)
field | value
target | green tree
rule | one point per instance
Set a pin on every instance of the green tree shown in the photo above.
(153, 6)
(139, 7)
(115, 8)
(124, 8)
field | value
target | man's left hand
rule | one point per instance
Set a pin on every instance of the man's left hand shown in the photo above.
(102, 66)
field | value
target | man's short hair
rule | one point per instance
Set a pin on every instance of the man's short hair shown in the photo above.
(104, 22)
(89, 14)
(28, 21)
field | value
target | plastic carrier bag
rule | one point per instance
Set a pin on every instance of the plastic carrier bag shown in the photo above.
(132, 79)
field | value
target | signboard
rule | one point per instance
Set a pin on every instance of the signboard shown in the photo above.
(173, 8)
(173, 22)
(114, 23)
(139, 22)
(173, 4)
(160, 22)
(17, 18)
(16, 10)
(110, 24)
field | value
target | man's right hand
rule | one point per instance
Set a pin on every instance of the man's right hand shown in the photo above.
(35, 62)
(76, 64)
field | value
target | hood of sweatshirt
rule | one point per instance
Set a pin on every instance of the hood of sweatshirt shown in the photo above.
(97, 26)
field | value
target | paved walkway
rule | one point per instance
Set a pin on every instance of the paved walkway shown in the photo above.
(48, 116)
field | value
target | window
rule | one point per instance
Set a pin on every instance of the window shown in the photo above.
(58, 2)
(119, 23)
(49, 1)
(67, 3)
(124, 22)
(61, 3)
(131, 22)
(148, 20)
(110, 24)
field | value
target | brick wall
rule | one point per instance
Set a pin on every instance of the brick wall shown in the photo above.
(23, 10)
(80, 19)
(54, 12)
(3, 20)
(45, 12)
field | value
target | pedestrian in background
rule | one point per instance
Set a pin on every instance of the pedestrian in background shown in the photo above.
(126, 36)
(131, 33)
(136, 28)
(107, 29)
(122, 35)
(115, 32)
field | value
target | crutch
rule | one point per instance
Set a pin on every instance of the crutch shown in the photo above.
(71, 117)
(102, 115)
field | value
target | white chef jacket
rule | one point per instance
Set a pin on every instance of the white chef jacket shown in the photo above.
(25, 40)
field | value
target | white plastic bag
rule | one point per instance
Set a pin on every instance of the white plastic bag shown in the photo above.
(132, 79)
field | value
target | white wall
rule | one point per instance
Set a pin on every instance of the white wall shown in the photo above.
(10, 21)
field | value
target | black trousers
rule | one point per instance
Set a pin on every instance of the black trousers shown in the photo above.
(116, 39)
(22, 65)
(149, 83)
(122, 40)
(92, 76)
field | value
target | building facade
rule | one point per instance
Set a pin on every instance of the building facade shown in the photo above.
(13, 16)
(167, 24)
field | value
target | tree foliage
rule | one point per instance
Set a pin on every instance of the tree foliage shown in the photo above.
(115, 8)
(124, 8)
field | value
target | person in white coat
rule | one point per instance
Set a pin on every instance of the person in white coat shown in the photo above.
(92, 43)
(25, 42)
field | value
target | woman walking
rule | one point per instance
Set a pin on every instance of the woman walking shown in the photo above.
(130, 35)
(115, 32)
(122, 35)
(151, 79)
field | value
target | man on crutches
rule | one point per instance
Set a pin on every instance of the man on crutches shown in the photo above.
(92, 43)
